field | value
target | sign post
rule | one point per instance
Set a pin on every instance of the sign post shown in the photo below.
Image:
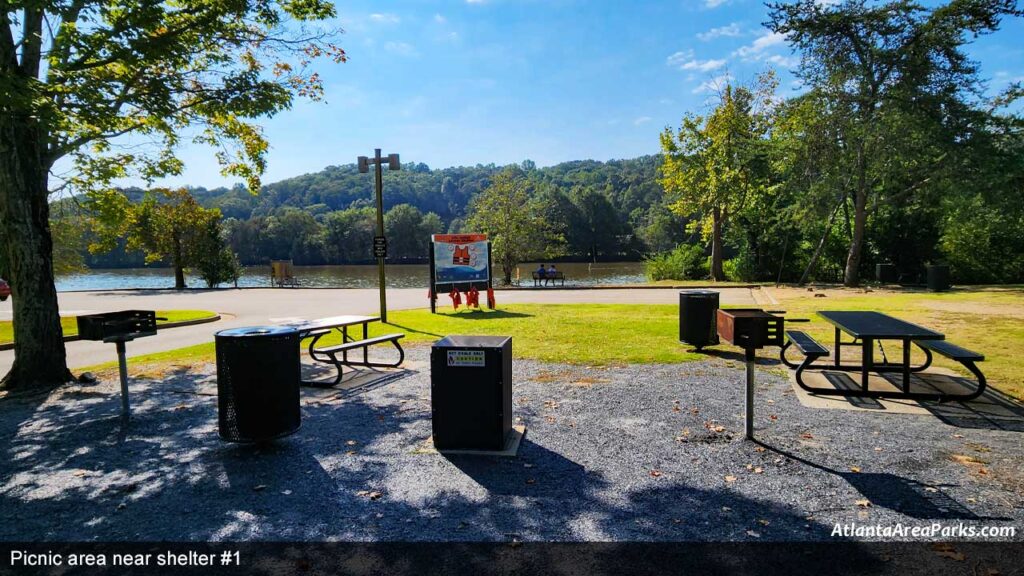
(380, 244)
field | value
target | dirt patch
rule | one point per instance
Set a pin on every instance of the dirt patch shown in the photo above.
(979, 308)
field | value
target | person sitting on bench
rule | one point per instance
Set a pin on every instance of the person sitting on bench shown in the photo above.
(550, 275)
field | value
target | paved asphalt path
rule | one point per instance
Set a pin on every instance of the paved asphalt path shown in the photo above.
(255, 307)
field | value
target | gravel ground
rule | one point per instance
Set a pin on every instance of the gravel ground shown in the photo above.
(631, 453)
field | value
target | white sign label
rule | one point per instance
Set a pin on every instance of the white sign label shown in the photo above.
(462, 358)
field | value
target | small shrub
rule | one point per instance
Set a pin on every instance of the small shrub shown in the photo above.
(741, 268)
(686, 262)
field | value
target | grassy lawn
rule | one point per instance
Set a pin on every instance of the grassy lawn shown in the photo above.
(70, 325)
(990, 321)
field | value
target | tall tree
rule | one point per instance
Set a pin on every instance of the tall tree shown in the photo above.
(712, 164)
(76, 74)
(403, 226)
(513, 220)
(895, 77)
(168, 225)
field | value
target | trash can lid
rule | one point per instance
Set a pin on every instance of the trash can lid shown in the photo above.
(463, 341)
(256, 331)
(698, 292)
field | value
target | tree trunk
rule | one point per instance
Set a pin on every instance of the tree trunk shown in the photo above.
(40, 360)
(821, 244)
(179, 268)
(860, 218)
(717, 273)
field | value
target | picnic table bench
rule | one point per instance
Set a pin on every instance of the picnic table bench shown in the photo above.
(867, 328)
(538, 278)
(317, 329)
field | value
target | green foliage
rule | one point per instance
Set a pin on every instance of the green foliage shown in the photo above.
(408, 231)
(212, 259)
(982, 243)
(103, 69)
(686, 262)
(892, 96)
(742, 268)
(513, 221)
(167, 225)
(715, 165)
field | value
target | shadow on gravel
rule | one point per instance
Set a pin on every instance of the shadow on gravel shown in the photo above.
(993, 410)
(736, 355)
(69, 471)
(903, 495)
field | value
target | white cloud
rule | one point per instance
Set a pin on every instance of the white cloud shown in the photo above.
(440, 19)
(759, 45)
(684, 60)
(385, 18)
(475, 1)
(401, 49)
(728, 30)
(714, 3)
(641, 120)
(713, 85)
(783, 61)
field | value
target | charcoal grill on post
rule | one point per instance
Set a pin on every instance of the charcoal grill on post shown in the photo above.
(750, 329)
(119, 327)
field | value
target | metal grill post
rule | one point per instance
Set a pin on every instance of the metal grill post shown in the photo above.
(122, 365)
(749, 412)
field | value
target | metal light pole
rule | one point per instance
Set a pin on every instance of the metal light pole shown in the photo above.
(380, 245)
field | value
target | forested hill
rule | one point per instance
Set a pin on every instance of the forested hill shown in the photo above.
(605, 210)
(627, 184)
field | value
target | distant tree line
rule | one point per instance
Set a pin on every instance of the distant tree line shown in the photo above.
(602, 211)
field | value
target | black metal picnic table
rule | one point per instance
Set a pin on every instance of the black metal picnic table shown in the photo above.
(869, 327)
(320, 327)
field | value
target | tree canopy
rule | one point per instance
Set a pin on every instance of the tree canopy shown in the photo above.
(78, 75)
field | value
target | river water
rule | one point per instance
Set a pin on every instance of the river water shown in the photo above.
(361, 276)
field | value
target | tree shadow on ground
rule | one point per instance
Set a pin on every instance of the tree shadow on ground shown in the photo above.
(410, 329)
(903, 495)
(72, 472)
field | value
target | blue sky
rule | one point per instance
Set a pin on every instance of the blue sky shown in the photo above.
(462, 82)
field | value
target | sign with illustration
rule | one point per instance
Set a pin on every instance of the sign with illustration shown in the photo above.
(461, 258)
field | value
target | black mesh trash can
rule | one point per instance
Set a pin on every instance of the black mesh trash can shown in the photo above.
(258, 376)
(697, 317)
(938, 277)
(471, 392)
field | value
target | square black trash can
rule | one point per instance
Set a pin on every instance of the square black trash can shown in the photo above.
(471, 392)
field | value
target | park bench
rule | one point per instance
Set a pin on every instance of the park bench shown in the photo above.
(538, 278)
(329, 354)
(314, 330)
(962, 355)
(807, 346)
